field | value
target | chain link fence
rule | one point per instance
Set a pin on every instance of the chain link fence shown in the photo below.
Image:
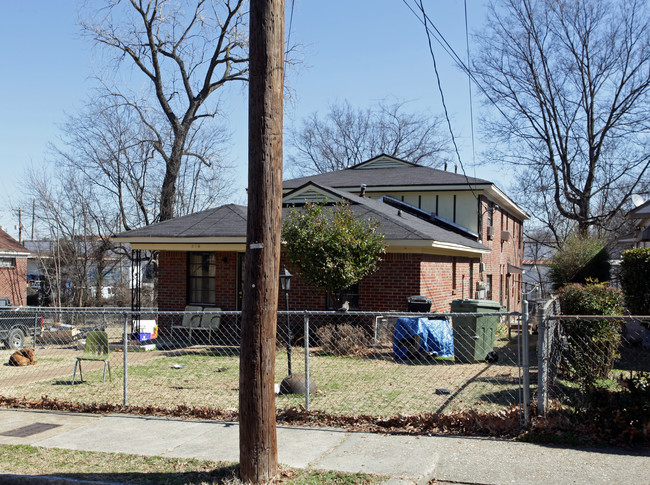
(354, 363)
(581, 355)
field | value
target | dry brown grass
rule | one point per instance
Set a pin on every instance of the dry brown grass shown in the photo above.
(373, 384)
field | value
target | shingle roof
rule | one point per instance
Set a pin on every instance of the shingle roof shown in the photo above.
(415, 175)
(9, 244)
(400, 225)
(230, 221)
(225, 221)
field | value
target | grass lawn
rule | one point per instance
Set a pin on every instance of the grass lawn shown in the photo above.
(370, 383)
(136, 469)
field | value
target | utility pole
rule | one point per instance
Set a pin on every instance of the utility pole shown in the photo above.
(258, 449)
(20, 225)
(33, 216)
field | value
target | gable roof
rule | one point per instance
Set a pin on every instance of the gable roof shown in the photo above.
(386, 171)
(396, 225)
(225, 227)
(383, 161)
(10, 247)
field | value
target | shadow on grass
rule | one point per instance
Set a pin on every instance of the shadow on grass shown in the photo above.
(67, 382)
(226, 475)
(633, 358)
(222, 351)
(504, 397)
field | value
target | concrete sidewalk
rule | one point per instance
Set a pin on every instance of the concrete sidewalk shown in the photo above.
(406, 459)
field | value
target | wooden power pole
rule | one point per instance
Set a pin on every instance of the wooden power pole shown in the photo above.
(258, 449)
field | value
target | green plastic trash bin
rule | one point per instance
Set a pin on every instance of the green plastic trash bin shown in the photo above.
(474, 334)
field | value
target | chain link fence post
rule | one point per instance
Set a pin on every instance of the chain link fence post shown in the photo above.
(542, 360)
(125, 342)
(525, 361)
(307, 386)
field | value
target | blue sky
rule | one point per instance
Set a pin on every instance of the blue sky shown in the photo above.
(361, 51)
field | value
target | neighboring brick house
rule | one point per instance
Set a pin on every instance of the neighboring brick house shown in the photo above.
(448, 237)
(13, 270)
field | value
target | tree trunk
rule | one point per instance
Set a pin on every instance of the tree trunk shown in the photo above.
(173, 166)
(257, 433)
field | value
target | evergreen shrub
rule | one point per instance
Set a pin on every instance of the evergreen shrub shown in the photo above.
(635, 280)
(592, 344)
(578, 260)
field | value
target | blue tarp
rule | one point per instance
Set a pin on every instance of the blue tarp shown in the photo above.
(434, 335)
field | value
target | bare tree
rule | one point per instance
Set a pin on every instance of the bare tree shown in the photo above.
(76, 256)
(346, 136)
(570, 80)
(186, 50)
(108, 148)
(540, 245)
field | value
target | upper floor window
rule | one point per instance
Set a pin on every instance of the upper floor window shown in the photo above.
(6, 262)
(202, 278)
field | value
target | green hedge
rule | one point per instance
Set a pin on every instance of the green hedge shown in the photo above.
(579, 260)
(592, 343)
(635, 280)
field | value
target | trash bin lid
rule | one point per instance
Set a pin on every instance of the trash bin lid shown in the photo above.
(475, 304)
(419, 299)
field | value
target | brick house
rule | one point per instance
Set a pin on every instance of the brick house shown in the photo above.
(448, 237)
(13, 270)
(640, 215)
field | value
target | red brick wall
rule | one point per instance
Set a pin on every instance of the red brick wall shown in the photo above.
(399, 276)
(172, 280)
(226, 284)
(301, 296)
(388, 288)
(438, 275)
(503, 252)
(13, 282)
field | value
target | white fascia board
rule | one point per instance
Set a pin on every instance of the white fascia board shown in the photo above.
(14, 254)
(495, 194)
(432, 247)
(185, 244)
(186, 247)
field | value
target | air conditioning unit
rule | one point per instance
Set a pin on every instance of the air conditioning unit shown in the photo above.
(490, 233)
(506, 236)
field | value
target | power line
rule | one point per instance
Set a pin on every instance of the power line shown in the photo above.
(290, 25)
(437, 35)
(469, 87)
(455, 57)
(442, 97)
